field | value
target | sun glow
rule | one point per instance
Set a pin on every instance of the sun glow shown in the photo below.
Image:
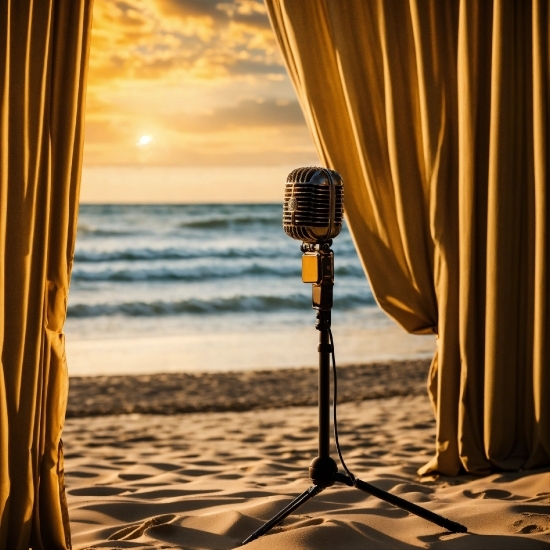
(189, 83)
(144, 140)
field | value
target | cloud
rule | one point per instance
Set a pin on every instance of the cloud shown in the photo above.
(148, 39)
(255, 67)
(246, 114)
(104, 132)
(192, 9)
(203, 77)
(249, 12)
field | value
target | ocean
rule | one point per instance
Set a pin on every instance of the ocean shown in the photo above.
(159, 288)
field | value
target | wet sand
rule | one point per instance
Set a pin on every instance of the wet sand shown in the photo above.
(173, 393)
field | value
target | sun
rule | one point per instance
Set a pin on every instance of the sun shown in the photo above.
(144, 140)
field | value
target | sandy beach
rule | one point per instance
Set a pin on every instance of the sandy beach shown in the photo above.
(200, 462)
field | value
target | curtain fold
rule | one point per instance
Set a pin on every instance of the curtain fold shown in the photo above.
(43, 52)
(436, 115)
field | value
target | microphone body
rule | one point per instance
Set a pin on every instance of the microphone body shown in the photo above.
(313, 208)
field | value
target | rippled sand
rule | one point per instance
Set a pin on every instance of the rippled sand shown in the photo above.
(207, 480)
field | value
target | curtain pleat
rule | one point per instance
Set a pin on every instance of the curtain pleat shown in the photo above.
(43, 49)
(436, 115)
(540, 427)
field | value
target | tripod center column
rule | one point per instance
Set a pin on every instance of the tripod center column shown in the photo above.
(324, 348)
(318, 269)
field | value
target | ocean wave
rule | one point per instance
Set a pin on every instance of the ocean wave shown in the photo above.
(170, 253)
(275, 251)
(204, 272)
(236, 304)
(222, 222)
(191, 274)
(90, 230)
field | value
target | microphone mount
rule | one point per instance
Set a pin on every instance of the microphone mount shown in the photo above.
(318, 269)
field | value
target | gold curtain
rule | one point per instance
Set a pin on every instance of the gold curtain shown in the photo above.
(436, 114)
(43, 51)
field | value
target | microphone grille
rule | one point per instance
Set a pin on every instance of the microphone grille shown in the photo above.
(307, 208)
(303, 175)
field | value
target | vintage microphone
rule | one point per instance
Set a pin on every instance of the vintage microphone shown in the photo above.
(313, 208)
(313, 212)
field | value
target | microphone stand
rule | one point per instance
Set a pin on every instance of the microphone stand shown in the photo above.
(323, 470)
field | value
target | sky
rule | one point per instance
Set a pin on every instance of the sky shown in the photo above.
(187, 83)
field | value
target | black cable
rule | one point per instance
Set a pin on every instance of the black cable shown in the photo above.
(334, 403)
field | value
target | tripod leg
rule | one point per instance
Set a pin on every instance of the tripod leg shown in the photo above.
(451, 526)
(286, 511)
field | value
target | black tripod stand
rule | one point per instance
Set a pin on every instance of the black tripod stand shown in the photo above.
(318, 268)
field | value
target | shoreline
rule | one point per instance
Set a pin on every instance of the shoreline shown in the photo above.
(237, 391)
